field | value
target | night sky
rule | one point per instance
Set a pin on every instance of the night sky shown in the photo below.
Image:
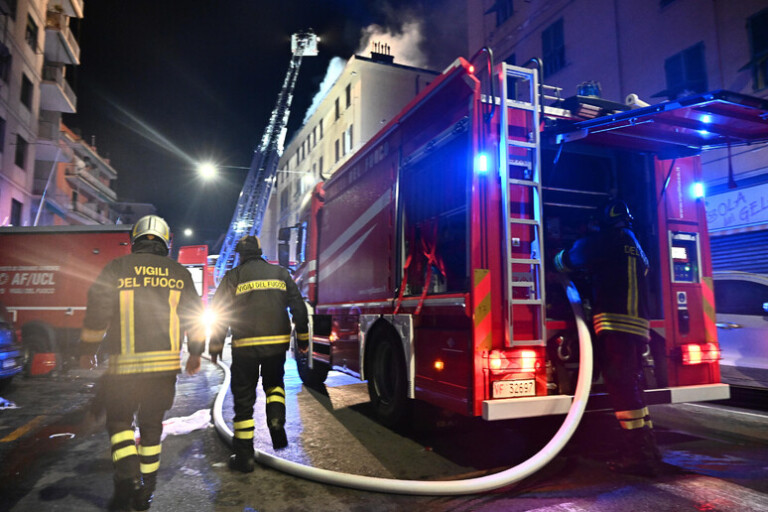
(164, 84)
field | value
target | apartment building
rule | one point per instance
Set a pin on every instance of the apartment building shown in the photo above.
(659, 50)
(368, 93)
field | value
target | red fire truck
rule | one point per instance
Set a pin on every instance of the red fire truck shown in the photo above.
(45, 274)
(426, 257)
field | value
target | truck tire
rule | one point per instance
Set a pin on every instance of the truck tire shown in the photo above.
(311, 377)
(388, 381)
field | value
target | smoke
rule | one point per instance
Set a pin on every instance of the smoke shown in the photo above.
(401, 26)
(335, 67)
(404, 44)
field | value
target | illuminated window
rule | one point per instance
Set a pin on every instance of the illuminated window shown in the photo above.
(553, 48)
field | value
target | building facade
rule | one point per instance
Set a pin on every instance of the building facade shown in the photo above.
(37, 48)
(368, 93)
(659, 50)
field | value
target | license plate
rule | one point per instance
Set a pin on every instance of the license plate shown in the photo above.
(514, 388)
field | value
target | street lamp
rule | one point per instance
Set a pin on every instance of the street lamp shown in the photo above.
(209, 170)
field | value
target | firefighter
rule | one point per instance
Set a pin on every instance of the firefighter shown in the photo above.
(139, 309)
(617, 266)
(252, 301)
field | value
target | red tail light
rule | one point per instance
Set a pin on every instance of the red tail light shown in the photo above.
(522, 360)
(695, 353)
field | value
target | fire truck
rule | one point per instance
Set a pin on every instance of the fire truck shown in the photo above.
(427, 257)
(45, 274)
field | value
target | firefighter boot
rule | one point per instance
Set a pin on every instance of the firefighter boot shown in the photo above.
(277, 432)
(242, 459)
(640, 456)
(143, 496)
(123, 494)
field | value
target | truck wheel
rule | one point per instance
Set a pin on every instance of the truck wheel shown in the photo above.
(388, 382)
(311, 377)
(38, 340)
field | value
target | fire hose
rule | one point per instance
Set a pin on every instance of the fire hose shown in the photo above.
(443, 487)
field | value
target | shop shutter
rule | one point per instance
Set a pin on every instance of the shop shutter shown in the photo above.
(747, 252)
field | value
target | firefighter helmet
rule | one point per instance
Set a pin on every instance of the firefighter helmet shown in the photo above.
(151, 226)
(248, 243)
(616, 212)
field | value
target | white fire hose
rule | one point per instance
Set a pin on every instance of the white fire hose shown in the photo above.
(450, 487)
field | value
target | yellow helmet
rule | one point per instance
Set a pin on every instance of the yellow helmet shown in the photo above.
(151, 225)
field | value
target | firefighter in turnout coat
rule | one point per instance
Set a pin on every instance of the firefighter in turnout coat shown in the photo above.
(617, 265)
(252, 300)
(139, 309)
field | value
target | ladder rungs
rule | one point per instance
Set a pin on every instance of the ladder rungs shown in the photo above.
(534, 302)
(527, 342)
(524, 183)
(519, 162)
(525, 261)
(523, 284)
(530, 222)
(521, 144)
(521, 105)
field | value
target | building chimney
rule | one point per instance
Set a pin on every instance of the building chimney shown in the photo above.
(381, 53)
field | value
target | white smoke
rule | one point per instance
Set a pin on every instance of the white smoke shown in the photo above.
(404, 45)
(335, 67)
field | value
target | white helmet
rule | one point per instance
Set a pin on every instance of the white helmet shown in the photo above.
(151, 225)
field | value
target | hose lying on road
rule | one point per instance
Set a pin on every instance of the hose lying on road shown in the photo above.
(452, 487)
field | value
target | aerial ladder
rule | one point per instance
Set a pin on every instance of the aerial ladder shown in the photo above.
(253, 199)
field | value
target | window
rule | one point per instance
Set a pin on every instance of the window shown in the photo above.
(686, 73)
(757, 29)
(2, 135)
(31, 34)
(553, 48)
(435, 219)
(336, 144)
(12, 8)
(338, 111)
(26, 91)
(21, 151)
(16, 208)
(314, 136)
(503, 10)
(321, 128)
(349, 95)
(5, 63)
(320, 166)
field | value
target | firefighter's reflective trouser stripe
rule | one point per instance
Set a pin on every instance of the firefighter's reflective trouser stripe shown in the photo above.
(125, 456)
(246, 369)
(634, 419)
(146, 397)
(149, 462)
(244, 429)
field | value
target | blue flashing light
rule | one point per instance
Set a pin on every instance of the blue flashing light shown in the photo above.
(481, 163)
(698, 190)
(706, 118)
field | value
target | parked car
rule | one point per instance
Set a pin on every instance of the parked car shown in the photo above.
(741, 305)
(11, 354)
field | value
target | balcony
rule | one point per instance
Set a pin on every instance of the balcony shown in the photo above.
(47, 145)
(60, 43)
(84, 181)
(71, 8)
(55, 93)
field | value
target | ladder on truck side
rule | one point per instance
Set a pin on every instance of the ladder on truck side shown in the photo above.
(520, 168)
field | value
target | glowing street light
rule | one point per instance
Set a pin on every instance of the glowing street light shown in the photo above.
(188, 232)
(209, 170)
